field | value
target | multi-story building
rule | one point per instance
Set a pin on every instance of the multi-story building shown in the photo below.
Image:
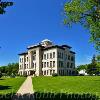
(46, 58)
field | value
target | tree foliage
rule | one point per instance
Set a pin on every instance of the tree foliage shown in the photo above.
(10, 68)
(93, 68)
(81, 67)
(3, 5)
(0, 74)
(86, 12)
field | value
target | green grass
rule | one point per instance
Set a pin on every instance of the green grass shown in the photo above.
(70, 84)
(10, 85)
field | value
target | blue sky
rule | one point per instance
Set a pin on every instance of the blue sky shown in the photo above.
(29, 22)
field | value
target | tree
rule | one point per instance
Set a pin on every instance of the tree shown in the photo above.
(81, 67)
(0, 74)
(3, 5)
(10, 68)
(98, 58)
(87, 13)
(93, 68)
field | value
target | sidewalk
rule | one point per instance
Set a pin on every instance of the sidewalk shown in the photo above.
(27, 87)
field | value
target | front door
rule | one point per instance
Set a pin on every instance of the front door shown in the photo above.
(32, 72)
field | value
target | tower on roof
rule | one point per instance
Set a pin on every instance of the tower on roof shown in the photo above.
(46, 42)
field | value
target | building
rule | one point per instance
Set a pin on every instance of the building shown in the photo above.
(46, 58)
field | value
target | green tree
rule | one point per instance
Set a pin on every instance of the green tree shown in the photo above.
(93, 68)
(87, 13)
(98, 58)
(0, 74)
(81, 67)
(3, 5)
(10, 68)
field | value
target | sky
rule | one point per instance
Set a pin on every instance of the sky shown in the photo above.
(29, 22)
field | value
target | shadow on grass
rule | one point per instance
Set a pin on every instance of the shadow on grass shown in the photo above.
(4, 87)
(48, 96)
(2, 79)
(55, 96)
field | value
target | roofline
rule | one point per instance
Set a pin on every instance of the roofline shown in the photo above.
(34, 47)
(72, 52)
(24, 53)
(55, 46)
(67, 46)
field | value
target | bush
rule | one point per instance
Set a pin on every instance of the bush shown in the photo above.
(54, 74)
(0, 74)
(12, 75)
(25, 75)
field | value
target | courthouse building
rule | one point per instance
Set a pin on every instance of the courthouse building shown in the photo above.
(46, 58)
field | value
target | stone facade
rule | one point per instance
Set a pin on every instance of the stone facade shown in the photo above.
(46, 59)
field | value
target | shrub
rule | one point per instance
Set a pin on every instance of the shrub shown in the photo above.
(25, 75)
(12, 75)
(0, 74)
(54, 74)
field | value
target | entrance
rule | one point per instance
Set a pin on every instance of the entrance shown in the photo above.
(32, 72)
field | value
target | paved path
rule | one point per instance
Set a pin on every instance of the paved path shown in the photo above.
(27, 87)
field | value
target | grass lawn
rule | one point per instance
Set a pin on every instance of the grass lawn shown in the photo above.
(70, 84)
(9, 85)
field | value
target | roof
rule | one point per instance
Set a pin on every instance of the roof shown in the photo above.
(34, 46)
(72, 52)
(23, 53)
(67, 46)
(46, 40)
(53, 46)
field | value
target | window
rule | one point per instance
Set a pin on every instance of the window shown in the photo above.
(20, 59)
(47, 72)
(50, 63)
(47, 64)
(34, 57)
(47, 56)
(44, 64)
(68, 64)
(20, 67)
(34, 52)
(27, 59)
(50, 55)
(71, 66)
(58, 55)
(53, 71)
(33, 65)
(25, 66)
(59, 64)
(72, 58)
(53, 54)
(50, 72)
(44, 72)
(63, 72)
(44, 56)
(59, 72)
(62, 55)
(53, 63)
(68, 57)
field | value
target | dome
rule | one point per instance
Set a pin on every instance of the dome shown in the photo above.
(46, 42)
